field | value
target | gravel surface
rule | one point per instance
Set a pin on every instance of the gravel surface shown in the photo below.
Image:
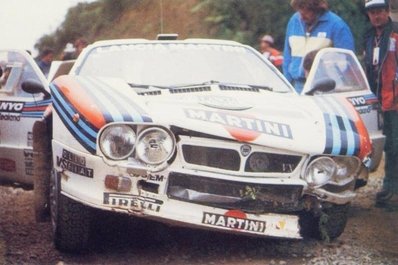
(371, 237)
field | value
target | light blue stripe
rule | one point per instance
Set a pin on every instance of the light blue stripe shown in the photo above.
(128, 105)
(113, 111)
(73, 127)
(71, 112)
(350, 132)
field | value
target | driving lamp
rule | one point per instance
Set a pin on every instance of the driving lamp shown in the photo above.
(117, 142)
(155, 146)
(320, 171)
(259, 162)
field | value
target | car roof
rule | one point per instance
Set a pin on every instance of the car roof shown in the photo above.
(145, 41)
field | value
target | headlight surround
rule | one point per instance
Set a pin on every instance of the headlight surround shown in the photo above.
(320, 171)
(117, 142)
(155, 146)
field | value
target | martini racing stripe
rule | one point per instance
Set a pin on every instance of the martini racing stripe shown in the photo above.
(371, 99)
(132, 108)
(85, 135)
(35, 109)
(333, 142)
(69, 109)
(124, 106)
(347, 125)
(100, 101)
(341, 133)
(116, 107)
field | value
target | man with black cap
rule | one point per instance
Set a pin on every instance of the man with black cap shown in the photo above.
(381, 57)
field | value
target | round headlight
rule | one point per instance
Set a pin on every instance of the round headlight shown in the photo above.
(117, 142)
(259, 162)
(155, 146)
(320, 171)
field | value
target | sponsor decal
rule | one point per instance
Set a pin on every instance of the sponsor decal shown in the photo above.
(241, 123)
(10, 117)
(364, 104)
(245, 150)
(235, 220)
(132, 202)
(28, 155)
(74, 163)
(11, 107)
(157, 178)
(30, 139)
(7, 165)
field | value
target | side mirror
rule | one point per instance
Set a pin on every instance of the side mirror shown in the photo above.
(33, 87)
(323, 85)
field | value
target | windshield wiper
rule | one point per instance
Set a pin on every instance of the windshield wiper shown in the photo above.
(210, 82)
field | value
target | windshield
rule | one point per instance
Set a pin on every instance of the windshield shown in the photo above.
(15, 68)
(171, 65)
(343, 68)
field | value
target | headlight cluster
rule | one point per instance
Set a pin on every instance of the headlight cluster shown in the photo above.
(117, 142)
(153, 146)
(326, 169)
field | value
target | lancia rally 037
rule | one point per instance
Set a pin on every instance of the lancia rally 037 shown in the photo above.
(199, 133)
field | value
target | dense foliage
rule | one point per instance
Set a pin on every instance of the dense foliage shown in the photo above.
(241, 20)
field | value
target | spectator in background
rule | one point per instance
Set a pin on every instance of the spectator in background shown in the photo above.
(312, 27)
(272, 54)
(80, 44)
(69, 52)
(308, 62)
(381, 53)
(45, 59)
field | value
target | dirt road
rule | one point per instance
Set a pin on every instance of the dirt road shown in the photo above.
(371, 237)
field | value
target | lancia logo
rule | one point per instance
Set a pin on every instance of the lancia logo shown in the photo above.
(245, 150)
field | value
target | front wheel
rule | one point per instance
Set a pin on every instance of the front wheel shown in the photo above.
(329, 224)
(70, 220)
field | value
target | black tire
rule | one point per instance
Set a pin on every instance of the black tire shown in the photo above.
(42, 162)
(70, 221)
(327, 225)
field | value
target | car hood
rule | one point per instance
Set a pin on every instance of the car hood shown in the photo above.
(302, 124)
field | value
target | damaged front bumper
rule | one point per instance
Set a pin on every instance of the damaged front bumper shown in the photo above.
(186, 197)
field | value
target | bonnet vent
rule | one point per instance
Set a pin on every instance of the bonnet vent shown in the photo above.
(190, 90)
(239, 88)
(150, 93)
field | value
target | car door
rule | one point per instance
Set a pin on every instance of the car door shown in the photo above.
(343, 67)
(18, 112)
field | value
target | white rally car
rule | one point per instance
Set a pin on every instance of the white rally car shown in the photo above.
(202, 133)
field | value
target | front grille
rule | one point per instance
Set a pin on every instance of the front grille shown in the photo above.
(230, 159)
(248, 197)
(212, 157)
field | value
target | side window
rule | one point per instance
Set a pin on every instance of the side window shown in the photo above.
(16, 68)
(343, 69)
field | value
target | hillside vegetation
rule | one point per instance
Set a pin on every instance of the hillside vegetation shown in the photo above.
(241, 20)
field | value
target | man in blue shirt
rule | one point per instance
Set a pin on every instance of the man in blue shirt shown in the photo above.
(312, 27)
(46, 58)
